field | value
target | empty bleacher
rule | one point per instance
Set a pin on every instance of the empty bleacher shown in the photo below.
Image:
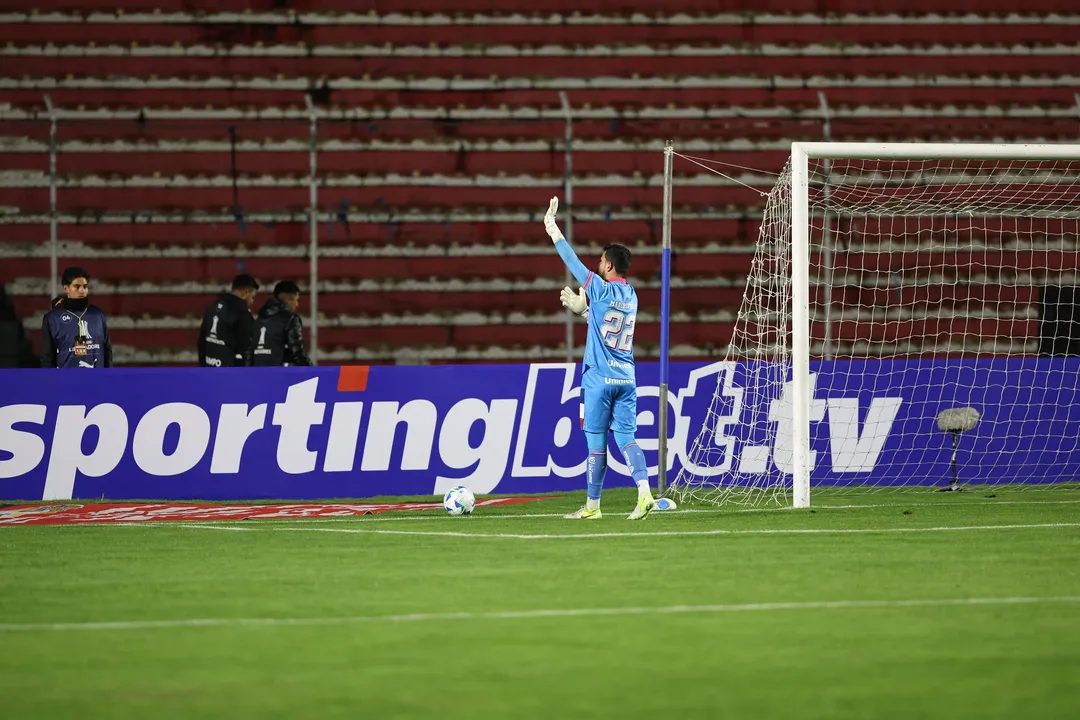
(183, 158)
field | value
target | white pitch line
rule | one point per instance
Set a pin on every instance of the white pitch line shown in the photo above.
(439, 517)
(665, 513)
(536, 614)
(659, 533)
(485, 516)
(433, 517)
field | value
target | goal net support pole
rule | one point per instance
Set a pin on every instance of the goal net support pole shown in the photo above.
(665, 312)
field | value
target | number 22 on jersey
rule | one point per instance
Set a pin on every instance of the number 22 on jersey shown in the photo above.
(617, 332)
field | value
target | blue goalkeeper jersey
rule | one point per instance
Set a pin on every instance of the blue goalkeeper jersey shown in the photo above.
(613, 306)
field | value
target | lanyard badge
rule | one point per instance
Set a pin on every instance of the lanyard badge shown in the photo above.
(81, 346)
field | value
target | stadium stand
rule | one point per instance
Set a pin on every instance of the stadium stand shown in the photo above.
(183, 142)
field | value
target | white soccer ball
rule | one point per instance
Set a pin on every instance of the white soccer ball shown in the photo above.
(459, 501)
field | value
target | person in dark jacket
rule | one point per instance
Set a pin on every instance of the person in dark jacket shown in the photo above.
(278, 336)
(225, 333)
(74, 333)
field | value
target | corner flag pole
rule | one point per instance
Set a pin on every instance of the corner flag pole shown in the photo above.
(665, 312)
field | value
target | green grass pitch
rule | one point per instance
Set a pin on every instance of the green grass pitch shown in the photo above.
(880, 605)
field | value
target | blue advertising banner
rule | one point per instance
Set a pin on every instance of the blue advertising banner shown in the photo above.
(320, 433)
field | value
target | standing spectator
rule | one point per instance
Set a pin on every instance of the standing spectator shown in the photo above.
(74, 333)
(225, 334)
(278, 335)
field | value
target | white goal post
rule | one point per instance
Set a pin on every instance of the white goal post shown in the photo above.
(931, 259)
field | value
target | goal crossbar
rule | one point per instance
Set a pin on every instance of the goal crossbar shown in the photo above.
(934, 151)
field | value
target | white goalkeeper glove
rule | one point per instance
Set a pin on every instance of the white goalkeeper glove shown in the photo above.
(574, 302)
(549, 221)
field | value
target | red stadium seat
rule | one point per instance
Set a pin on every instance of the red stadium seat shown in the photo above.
(548, 265)
(555, 66)
(568, 7)
(442, 161)
(532, 35)
(431, 196)
(376, 302)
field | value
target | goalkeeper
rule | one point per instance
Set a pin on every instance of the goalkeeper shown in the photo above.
(607, 374)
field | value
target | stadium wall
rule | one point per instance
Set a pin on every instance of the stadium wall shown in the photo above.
(353, 432)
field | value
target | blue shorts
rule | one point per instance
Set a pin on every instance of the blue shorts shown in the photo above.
(609, 407)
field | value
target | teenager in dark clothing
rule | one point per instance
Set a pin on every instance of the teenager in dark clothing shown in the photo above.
(278, 336)
(74, 333)
(225, 334)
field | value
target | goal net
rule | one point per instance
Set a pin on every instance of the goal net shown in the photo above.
(923, 331)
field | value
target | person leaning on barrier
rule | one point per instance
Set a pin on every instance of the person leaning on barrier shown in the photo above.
(74, 333)
(277, 338)
(225, 333)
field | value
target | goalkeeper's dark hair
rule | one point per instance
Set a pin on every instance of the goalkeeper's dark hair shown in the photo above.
(71, 273)
(244, 282)
(286, 287)
(619, 257)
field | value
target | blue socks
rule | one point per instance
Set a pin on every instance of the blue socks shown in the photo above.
(596, 467)
(635, 464)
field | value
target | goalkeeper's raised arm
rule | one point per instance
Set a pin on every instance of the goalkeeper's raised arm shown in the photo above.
(576, 267)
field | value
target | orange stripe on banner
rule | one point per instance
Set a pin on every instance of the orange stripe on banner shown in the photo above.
(353, 378)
